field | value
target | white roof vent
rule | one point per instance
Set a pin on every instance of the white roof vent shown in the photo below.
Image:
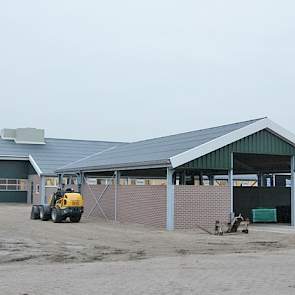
(24, 135)
(8, 134)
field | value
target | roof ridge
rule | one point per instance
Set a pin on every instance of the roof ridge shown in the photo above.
(87, 157)
(86, 140)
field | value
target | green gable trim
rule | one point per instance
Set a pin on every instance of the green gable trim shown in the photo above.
(262, 142)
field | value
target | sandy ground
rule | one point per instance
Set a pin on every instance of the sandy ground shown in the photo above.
(95, 257)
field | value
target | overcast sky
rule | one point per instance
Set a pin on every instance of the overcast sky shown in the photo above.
(128, 70)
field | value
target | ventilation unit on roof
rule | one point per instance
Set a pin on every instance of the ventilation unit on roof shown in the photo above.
(24, 135)
(8, 134)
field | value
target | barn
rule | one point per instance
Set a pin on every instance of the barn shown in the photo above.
(190, 180)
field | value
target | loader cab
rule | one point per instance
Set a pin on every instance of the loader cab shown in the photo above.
(56, 196)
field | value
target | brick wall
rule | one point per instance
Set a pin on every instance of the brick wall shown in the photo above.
(30, 193)
(36, 196)
(195, 206)
(143, 204)
(136, 204)
(201, 206)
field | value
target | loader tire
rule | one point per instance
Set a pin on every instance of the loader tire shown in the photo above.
(75, 219)
(45, 213)
(35, 212)
(56, 215)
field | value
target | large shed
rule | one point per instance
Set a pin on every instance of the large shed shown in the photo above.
(190, 180)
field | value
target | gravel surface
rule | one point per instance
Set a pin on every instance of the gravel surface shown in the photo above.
(95, 257)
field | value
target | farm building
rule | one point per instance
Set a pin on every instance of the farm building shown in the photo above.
(28, 162)
(182, 181)
(190, 180)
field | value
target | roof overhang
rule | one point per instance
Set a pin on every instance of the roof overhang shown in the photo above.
(14, 158)
(127, 166)
(22, 158)
(231, 137)
(193, 153)
(35, 165)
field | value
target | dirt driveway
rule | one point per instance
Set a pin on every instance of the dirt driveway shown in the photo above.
(96, 257)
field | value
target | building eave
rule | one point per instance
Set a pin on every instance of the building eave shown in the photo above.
(35, 165)
(119, 167)
(22, 158)
(14, 158)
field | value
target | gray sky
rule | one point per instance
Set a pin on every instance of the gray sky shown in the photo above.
(128, 70)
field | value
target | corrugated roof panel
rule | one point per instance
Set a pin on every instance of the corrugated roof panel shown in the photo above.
(56, 152)
(158, 150)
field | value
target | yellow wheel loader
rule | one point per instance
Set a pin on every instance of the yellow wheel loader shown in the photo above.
(61, 205)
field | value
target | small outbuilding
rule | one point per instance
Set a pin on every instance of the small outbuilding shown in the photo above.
(190, 180)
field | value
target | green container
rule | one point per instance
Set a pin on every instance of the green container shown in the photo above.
(264, 215)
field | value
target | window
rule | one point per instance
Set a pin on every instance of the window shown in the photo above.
(92, 181)
(72, 180)
(100, 181)
(37, 188)
(139, 182)
(146, 181)
(125, 181)
(13, 184)
(157, 181)
(245, 182)
(11, 181)
(220, 182)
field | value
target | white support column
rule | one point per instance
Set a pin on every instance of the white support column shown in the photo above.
(261, 179)
(201, 180)
(42, 190)
(80, 179)
(117, 184)
(293, 191)
(211, 179)
(170, 200)
(60, 180)
(231, 184)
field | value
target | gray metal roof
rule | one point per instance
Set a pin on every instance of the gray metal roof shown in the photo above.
(55, 153)
(153, 152)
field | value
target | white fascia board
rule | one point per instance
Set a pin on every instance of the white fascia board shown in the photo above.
(29, 142)
(281, 132)
(13, 158)
(231, 137)
(34, 164)
(22, 158)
